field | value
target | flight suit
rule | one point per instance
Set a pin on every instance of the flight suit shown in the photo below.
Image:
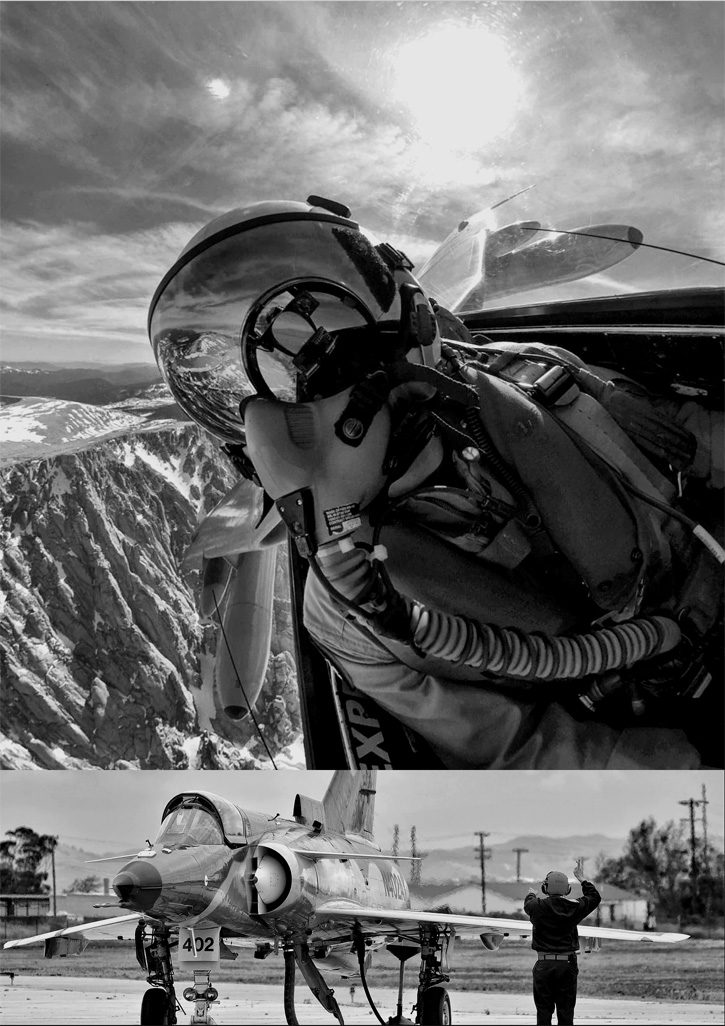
(555, 919)
(625, 556)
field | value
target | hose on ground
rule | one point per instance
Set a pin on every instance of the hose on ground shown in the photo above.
(289, 987)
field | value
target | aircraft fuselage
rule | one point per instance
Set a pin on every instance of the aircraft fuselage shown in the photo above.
(268, 887)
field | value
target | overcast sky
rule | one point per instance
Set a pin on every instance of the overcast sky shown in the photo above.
(126, 126)
(102, 810)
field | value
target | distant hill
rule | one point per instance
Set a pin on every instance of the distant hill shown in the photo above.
(70, 865)
(461, 865)
(93, 385)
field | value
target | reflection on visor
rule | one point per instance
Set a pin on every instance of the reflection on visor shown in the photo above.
(200, 312)
(305, 342)
(206, 377)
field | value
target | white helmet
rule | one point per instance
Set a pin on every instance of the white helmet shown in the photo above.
(284, 300)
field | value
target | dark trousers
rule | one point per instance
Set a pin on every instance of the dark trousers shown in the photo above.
(555, 988)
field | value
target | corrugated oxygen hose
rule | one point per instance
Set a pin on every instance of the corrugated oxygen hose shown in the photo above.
(354, 579)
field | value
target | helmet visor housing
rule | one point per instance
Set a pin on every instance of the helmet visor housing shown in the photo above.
(265, 302)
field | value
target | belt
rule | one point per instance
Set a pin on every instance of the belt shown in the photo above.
(547, 954)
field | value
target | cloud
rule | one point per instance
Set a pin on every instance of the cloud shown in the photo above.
(111, 121)
(71, 284)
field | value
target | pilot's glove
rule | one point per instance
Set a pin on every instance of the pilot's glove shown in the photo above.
(654, 430)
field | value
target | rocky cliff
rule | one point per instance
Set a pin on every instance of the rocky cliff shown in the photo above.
(105, 662)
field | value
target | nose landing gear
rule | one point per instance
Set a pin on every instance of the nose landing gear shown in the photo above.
(203, 995)
(153, 953)
(159, 1005)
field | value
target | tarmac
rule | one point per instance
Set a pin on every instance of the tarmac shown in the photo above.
(71, 1000)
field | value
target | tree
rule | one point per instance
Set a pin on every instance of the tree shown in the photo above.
(654, 865)
(84, 885)
(21, 861)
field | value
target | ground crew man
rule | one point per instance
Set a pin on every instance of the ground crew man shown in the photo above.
(555, 938)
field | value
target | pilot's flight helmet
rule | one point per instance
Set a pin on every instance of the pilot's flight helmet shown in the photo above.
(556, 883)
(285, 300)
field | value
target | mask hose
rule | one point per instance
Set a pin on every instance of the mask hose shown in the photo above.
(356, 578)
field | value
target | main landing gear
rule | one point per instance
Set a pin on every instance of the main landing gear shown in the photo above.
(159, 1005)
(433, 1006)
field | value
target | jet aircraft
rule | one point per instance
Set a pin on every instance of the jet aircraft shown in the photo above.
(316, 887)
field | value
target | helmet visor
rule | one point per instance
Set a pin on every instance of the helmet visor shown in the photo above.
(201, 312)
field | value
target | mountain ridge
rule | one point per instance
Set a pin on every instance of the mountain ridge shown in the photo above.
(105, 661)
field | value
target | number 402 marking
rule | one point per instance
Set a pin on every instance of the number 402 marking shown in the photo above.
(200, 943)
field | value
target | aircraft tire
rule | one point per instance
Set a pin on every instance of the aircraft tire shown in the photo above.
(155, 1007)
(436, 1007)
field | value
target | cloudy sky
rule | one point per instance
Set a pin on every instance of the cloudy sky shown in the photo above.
(103, 810)
(127, 126)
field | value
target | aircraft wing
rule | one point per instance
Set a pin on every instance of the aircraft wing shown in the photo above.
(402, 920)
(235, 525)
(114, 928)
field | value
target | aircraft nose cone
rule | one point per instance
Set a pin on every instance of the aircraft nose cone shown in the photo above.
(139, 885)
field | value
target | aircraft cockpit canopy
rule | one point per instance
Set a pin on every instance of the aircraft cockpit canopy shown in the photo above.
(189, 825)
(202, 818)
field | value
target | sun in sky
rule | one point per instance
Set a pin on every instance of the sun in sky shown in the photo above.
(459, 79)
(218, 88)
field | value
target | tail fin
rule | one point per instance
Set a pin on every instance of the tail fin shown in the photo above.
(349, 802)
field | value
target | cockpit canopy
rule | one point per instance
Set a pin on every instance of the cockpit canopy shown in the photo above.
(200, 817)
(189, 824)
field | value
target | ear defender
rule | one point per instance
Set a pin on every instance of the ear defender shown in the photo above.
(556, 883)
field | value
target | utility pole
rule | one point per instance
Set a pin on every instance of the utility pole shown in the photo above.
(519, 853)
(415, 870)
(692, 803)
(705, 849)
(55, 889)
(483, 855)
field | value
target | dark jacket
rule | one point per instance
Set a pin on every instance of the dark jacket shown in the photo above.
(555, 918)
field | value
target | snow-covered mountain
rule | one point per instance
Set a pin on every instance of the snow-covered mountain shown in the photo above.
(36, 426)
(104, 660)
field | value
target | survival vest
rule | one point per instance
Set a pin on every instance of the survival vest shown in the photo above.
(575, 462)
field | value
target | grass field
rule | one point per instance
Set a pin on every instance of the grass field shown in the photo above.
(691, 971)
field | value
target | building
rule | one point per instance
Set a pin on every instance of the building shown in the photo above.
(504, 897)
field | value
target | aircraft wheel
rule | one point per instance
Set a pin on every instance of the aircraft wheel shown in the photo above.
(436, 1007)
(155, 1007)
